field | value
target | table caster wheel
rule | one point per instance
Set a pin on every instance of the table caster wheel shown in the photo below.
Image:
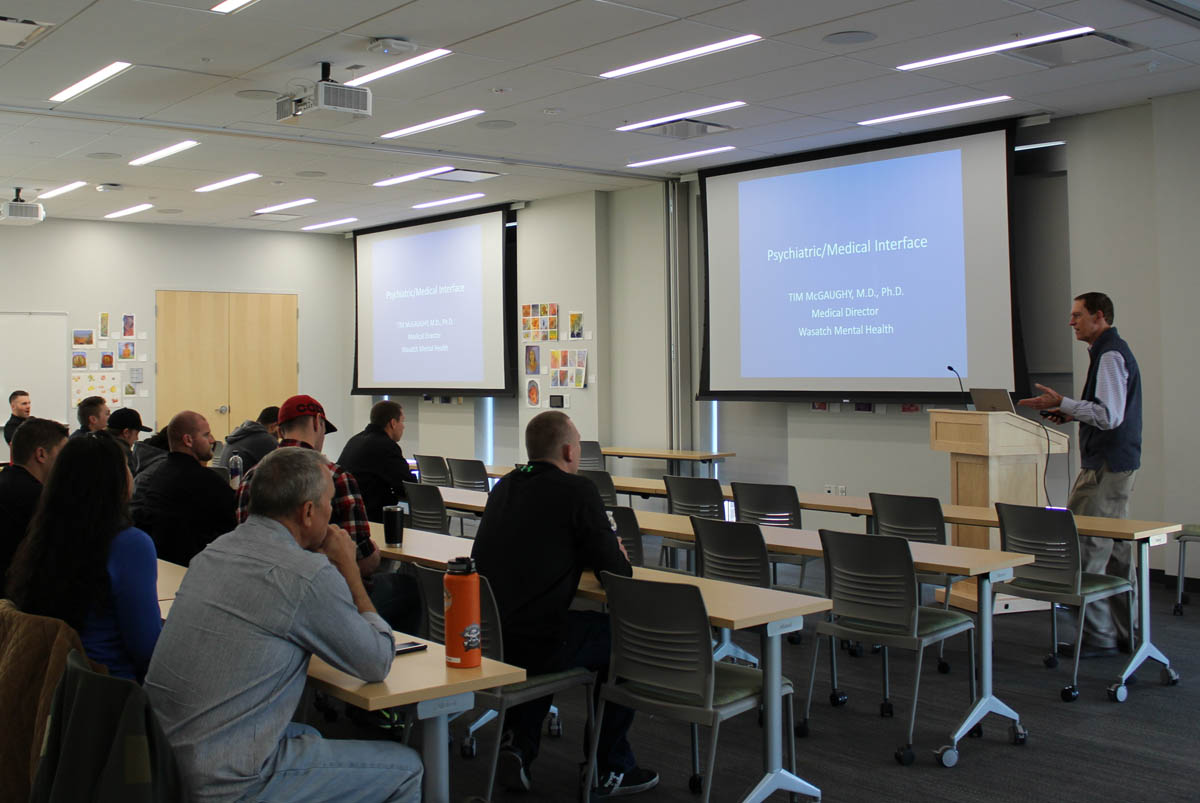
(696, 784)
(976, 731)
(1169, 676)
(1177, 610)
(801, 729)
(905, 755)
(943, 666)
(1050, 661)
(1017, 733)
(469, 747)
(886, 709)
(1069, 694)
(947, 756)
(554, 727)
(1118, 692)
(795, 638)
(837, 698)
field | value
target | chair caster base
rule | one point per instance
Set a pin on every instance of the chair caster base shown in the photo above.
(1118, 692)
(1017, 733)
(886, 709)
(696, 784)
(947, 755)
(1050, 661)
(1169, 676)
(905, 755)
(943, 667)
(838, 698)
(1069, 694)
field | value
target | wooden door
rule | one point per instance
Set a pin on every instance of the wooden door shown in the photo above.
(262, 353)
(192, 357)
(224, 355)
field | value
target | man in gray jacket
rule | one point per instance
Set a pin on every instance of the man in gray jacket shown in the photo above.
(252, 440)
(230, 666)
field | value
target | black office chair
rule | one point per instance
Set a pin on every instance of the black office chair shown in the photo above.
(690, 496)
(469, 474)
(433, 470)
(772, 506)
(917, 519)
(590, 456)
(426, 510)
(604, 484)
(629, 533)
(733, 551)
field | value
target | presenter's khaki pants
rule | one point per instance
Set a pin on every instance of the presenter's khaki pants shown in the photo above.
(1100, 492)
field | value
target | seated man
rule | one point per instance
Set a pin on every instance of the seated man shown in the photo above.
(35, 445)
(184, 505)
(125, 425)
(18, 402)
(92, 413)
(542, 527)
(230, 665)
(252, 440)
(376, 460)
(302, 424)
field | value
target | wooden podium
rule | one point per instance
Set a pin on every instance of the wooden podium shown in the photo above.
(994, 457)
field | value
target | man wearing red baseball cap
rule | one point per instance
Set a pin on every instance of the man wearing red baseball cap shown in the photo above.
(302, 423)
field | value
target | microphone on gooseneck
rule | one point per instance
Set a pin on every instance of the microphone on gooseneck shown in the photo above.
(960, 384)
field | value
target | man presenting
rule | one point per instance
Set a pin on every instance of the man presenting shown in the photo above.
(34, 448)
(18, 402)
(1109, 412)
(230, 666)
(183, 505)
(542, 527)
(376, 460)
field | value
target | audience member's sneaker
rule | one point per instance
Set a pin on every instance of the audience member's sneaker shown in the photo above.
(386, 719)
(630, 782)
(511, 771)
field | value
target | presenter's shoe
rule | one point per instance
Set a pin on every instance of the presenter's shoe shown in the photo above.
(511, 770)
(621, 784)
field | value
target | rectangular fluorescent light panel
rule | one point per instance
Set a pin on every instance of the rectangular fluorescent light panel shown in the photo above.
(438, 123)
(984, 51)
(675, 58)
(407, 64)
(736, 104)
(230, 6)
(678, 157)
(133, 210)
(433, 171)
(170, 150)
(290, 204)
(937, 110)
(229, 182)
(1034, 146)
(95, 79)
(329, 223)
(63, 190)
(445, 201)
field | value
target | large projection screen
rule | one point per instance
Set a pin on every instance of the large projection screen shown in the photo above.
(431, 308)
(864, 274)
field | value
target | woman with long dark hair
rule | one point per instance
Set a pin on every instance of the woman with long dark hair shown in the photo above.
(83, 562)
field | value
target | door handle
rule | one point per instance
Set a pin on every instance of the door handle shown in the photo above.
(223, 409)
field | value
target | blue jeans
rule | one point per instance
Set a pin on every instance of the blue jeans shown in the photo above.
(308, 767)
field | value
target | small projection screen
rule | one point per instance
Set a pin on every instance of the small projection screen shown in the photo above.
(433, 307)
(862, 272)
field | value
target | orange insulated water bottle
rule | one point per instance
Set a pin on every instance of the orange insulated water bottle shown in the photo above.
(464, 647)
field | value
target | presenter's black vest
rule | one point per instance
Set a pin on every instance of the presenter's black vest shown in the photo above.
(1121, 448)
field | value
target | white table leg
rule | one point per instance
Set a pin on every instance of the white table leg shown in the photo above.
(435, 743)
(1146, 648)
(775, 777)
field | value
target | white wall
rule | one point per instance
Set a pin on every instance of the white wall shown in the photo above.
(86, 267)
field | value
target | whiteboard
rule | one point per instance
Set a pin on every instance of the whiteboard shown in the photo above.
(36, 358)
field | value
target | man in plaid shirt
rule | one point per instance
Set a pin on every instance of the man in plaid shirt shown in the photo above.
(302, 424)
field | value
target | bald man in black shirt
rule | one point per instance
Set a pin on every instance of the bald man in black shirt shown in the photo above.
(542, 528)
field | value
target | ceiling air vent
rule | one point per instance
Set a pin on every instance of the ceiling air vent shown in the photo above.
(685, 129)
(1072, 51)
(21, 33)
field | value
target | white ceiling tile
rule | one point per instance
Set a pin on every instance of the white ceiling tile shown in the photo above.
(316, 14)
(1099, 96)
(1158, 33)
(44, 142)
(1128, 65)
(887, 87)
(142, 91)
(1102, 14)
(980, 70)
(794, 80)
(444, 23)
(56, 11)
(742, 117)
(885, 107)
(771, 18)
(589, 99)
(1189, 51)
(828, 139)
(520, 85)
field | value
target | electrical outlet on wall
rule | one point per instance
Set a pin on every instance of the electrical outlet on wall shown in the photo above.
(829, 489)
(841, 490)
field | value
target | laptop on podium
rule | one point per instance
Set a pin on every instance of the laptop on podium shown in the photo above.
(992, 400)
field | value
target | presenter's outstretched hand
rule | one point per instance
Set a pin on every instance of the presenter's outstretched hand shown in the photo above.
(1049, 400)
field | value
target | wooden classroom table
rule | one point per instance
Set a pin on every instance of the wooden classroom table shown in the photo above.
(421, 679)
(674, 457)
(728, 604)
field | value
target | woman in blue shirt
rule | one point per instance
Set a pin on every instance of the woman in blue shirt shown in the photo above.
(83, 562)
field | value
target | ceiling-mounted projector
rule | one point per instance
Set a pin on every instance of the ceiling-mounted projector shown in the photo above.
(327, 96)
(18, 212)
(392, 46)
